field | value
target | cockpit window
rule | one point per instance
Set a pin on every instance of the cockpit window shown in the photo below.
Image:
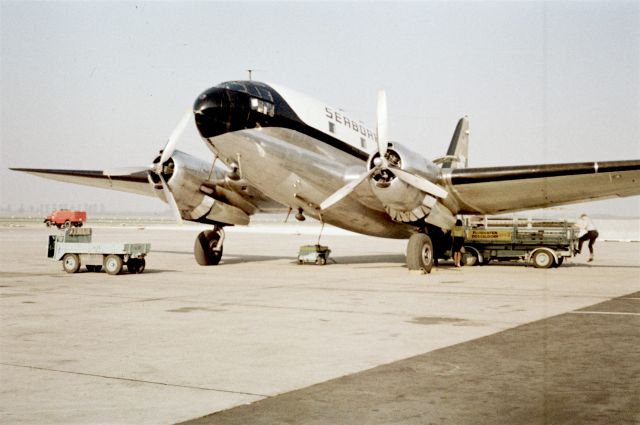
(255, 89)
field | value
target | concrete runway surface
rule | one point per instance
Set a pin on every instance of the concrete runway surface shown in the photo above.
(260, 339)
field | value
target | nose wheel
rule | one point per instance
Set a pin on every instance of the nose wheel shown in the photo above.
(207, 249)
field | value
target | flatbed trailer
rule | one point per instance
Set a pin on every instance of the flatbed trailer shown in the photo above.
(75, 248)
(543, 243)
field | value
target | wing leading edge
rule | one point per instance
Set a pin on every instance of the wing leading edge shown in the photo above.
(508, 189)
(133, 183)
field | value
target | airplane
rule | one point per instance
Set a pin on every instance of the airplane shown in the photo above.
(276, 149)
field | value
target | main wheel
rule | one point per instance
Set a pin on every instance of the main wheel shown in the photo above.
(420, 253)
(203, 248)
(542, 259)
(113, 264)
(136, 265)
(71, 263)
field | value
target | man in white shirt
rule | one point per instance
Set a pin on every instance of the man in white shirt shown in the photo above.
(587, 232)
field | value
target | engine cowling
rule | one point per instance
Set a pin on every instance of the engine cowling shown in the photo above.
(191, 181)
(402, 201)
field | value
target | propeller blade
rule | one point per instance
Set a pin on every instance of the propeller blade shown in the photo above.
(175, 135)
(382, 124)
(171, 200)
(124, 171)
(420, 183)
(345, 190)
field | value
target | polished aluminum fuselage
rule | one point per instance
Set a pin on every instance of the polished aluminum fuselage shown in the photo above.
(300, 172)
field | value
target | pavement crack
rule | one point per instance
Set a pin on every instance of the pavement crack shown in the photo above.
(142, 381)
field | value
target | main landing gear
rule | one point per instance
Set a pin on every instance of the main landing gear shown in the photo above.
(420, 253)
(207, 249)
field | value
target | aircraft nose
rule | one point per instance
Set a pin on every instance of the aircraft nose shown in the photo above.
(212, 110)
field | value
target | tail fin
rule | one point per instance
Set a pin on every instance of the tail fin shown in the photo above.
(458, 152)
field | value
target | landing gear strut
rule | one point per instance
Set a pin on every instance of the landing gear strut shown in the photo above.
(420, 254)
(207, 249)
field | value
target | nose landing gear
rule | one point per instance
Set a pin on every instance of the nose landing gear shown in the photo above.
(207, 248)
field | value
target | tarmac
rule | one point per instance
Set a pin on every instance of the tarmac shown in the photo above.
(260, 339)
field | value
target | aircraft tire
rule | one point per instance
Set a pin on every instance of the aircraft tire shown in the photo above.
(203, 248)
(420, 252)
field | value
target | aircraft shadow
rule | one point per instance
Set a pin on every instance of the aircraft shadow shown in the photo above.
(233, 258)
(566, 265)
(367, 259)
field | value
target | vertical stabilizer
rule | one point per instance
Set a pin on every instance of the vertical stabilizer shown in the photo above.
(458, 152)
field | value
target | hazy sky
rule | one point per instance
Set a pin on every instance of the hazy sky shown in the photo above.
(93, 85)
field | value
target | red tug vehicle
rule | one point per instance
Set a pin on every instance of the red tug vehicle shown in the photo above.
(66, 219)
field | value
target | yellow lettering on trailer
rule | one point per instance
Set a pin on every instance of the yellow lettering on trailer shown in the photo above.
(475, 234)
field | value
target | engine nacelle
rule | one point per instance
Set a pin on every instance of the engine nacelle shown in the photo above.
(402, 201)
(187, 176)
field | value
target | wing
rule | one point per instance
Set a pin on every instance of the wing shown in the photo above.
(509, 189)
(237, 194)
(136, 182)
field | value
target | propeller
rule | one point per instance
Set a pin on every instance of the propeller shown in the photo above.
(171, 200)
(175, 135)
(381, 163)
(156, 167)
(382, 125)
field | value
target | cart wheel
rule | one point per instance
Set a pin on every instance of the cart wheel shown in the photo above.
(141, 265)
(542, 259)
(94, 269)
(136, 265)
(48, 223)
(71, 263)
(67, 224)
(113, 264)
(321, 261)
(469, 259)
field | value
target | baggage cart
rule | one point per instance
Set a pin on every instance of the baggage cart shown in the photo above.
(75, 248)
(542, 243)
(313, 254)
